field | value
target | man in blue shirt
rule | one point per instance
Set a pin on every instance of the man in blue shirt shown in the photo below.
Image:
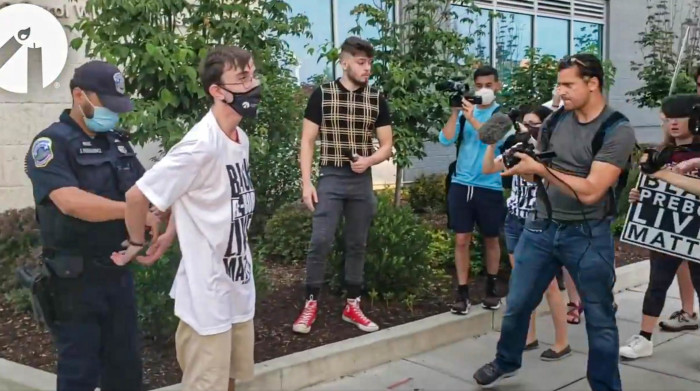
(474, 197)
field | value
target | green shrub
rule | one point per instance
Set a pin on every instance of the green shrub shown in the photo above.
(397, 258)
(427, 194)
(275, 174)
(19, 244)
(20, 299)
(286, 236)
(155, 307)
(623, 203)
(441, 251)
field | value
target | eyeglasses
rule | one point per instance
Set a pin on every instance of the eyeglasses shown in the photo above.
(571, 60)
(666, 121)
(247, 81)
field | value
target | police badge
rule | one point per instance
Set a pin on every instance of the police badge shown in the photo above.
(119, 83)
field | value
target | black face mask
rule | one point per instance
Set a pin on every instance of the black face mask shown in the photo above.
(246, 103)
(533, 130)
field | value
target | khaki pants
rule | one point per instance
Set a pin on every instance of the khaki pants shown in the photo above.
(209, 361)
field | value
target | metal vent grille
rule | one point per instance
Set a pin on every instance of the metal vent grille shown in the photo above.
(555, 7)
(590, 9)
(528, 5)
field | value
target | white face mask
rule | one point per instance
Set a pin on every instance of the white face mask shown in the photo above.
(487, 96)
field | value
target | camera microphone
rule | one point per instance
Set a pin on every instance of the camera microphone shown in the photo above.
(496, 128)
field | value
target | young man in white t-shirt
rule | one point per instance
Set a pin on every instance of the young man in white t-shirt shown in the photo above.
(205, 181)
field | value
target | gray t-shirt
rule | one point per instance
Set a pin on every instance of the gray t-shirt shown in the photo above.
(571, 141)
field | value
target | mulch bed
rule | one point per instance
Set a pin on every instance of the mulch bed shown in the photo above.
(21, 340)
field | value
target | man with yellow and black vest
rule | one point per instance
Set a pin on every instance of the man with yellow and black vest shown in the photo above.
(347, 114)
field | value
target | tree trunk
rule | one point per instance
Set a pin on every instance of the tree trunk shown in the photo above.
(399, 184)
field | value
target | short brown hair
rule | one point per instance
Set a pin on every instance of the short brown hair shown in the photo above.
(587, 64)
(219, 60)
(357, 45)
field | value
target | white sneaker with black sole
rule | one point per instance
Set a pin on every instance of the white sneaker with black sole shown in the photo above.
(637, 347)
(491, 303)
(461, 307)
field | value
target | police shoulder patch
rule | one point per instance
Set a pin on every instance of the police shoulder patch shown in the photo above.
(42, 152)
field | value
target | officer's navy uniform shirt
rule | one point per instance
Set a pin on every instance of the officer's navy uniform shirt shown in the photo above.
(62, 155)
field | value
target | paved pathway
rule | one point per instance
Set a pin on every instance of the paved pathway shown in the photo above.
(675, 364)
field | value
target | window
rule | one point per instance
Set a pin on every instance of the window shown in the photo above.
(320, 18)
(478, 27)
(556, 27)
(588, 37)
(513, 38)
(553, 36)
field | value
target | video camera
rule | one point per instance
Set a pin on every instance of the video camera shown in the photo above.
(460, 90)
(694, 121)
(510, 160)
(656, 160)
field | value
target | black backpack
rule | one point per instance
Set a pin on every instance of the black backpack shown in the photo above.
(610, 123)
(453, 166)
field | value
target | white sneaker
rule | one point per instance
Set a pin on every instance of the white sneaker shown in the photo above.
(637, 347)
(680, 321)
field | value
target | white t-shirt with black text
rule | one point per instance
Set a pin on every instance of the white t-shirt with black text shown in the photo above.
(205, 178)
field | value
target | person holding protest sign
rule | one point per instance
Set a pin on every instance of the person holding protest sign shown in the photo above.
(685, 318)
(675, 117)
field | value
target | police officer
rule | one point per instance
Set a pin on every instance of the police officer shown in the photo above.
(80, 169)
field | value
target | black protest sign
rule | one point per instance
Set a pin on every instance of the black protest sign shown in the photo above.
(666, 219)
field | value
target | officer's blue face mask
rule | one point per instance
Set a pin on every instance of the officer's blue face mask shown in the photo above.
(103, 119)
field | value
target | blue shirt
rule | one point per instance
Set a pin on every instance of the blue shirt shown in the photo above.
(471, 153)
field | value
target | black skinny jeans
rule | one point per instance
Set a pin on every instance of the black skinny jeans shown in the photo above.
(663, 269)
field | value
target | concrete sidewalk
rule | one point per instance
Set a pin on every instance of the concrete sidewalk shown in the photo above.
(675, 364)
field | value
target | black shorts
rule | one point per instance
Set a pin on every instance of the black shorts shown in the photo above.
(469, 205)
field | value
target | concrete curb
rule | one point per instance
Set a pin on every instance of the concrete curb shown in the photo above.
(630, 276)
(27, 376)
(304, 369)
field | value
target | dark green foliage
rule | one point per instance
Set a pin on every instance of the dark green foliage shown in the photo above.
(427, 194)
(155, 307)
(286, 236)
(658, 43)
(623, 203)
(19, 241)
